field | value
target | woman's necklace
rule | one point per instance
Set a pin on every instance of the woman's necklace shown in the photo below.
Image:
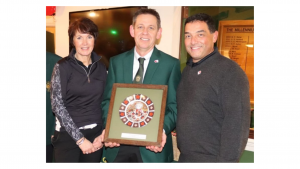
(88, 74)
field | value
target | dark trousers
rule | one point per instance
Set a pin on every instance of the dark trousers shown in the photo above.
(66, 150)
(49, 153)
(128, 153)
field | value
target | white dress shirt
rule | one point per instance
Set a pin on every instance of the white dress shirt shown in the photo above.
(136, 63)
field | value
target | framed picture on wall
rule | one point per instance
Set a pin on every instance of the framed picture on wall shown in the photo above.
(236, 41)
(136, 114)
(113, 24)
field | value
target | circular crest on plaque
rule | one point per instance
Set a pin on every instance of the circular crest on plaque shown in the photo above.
(138, 78)
(136, 110)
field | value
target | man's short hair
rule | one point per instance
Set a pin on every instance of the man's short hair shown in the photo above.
(146, 11)
(202, 17)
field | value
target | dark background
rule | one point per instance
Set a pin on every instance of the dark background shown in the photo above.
(113, 24)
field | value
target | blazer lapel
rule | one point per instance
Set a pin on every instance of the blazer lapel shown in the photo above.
(128, 66)
(152, 66)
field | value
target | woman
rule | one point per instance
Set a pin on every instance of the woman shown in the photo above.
(77, 86)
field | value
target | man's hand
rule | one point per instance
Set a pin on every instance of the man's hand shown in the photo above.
(158, 148)
(109, 144)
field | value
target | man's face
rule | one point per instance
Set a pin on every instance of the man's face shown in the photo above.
(145, 32)
(199, 42)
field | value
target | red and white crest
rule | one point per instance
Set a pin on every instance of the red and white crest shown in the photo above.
(136, 110)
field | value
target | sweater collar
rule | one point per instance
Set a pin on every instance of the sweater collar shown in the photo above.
(192, 64)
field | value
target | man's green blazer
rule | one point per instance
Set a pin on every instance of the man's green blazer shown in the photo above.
(51, 60)
(163, 69)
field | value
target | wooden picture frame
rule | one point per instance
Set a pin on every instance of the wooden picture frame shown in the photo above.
(236, 41)
(136, 114)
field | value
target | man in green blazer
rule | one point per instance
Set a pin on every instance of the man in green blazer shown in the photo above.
(51, 59)
(159, 69)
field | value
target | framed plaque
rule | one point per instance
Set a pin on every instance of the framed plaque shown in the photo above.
(136, 114)
(236, 41)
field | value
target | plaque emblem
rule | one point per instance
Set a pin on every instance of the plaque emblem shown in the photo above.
(136, 110)
(137, 78)
(48, 85)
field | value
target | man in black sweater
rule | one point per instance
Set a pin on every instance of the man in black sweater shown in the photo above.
(213, 99)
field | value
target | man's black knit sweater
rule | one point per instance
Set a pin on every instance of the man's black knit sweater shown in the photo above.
(213, 110)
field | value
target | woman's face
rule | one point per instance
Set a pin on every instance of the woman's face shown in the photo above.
(84, 43)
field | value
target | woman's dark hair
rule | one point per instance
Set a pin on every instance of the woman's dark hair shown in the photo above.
(82, 25)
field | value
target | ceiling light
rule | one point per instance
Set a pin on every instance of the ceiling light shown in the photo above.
(92, 14)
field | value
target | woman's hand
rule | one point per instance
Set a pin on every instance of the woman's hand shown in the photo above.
(98, 143)
(87, 147)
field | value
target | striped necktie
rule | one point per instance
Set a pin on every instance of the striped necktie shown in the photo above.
(139, 75)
